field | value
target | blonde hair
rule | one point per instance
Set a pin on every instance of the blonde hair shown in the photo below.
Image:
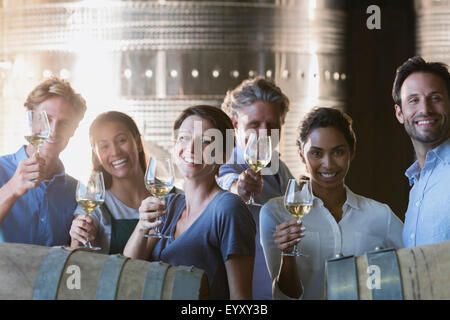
(55, 87)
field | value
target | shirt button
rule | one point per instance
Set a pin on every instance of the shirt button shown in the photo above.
(412, 236)
(42, 219)
(417, 203)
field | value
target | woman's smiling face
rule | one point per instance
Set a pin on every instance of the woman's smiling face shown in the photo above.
(327, 156)
(191, 155)
(117, 150)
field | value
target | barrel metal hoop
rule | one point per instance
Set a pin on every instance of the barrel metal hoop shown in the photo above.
(342, 283)
(390, 283)
(109, 279)
(154, 281)
(50, 273)
(186, 282)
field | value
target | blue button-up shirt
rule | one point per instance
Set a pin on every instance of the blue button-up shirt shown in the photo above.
(43, 215)
(427, 219)
(275, 180)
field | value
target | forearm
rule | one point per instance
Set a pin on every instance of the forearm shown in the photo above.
(138, 246)
(288, 279)
(7, 201)
(240, 274)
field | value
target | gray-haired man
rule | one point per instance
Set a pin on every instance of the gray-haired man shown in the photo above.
(260, 106)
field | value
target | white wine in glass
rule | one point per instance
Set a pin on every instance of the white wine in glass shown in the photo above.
(298, 201)
(298, 210)
(38, 128)
(90, 195)
(159, 180)
(257, 154)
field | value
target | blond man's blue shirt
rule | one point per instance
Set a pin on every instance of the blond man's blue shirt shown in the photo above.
(42, 216)
(427, 219)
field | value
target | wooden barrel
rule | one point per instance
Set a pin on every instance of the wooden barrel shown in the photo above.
(418, 273)
(37, 272)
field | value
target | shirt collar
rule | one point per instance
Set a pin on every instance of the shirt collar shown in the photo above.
(442, 151)
(412, 172)
(21, 154)
(352, 200)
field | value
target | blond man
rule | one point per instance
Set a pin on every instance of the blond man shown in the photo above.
(37, 197)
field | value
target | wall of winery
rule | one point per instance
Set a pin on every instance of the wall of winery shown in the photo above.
(152, 59)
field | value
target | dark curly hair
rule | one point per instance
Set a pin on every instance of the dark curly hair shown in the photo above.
(322, 117)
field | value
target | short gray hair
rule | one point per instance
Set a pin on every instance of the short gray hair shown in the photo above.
(252, 90)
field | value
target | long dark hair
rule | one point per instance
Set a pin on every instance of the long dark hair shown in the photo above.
(115, 116)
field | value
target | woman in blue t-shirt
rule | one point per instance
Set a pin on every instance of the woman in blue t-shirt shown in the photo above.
(210, 228)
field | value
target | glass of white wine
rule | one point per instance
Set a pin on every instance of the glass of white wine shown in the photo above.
(159, 180)
(298, 201)
(258, 154)
(91, 195)
(37, 128)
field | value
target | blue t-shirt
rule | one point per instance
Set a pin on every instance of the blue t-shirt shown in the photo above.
(42, 216)
(224, 228)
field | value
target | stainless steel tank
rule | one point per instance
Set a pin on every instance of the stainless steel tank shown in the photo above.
(152, 59)
(433, 30)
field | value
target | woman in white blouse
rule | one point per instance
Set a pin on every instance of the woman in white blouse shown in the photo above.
(340, 221)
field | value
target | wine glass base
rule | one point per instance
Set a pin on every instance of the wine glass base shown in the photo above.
(157, 235)
(295, 255)
(89, 248)
(254, 204)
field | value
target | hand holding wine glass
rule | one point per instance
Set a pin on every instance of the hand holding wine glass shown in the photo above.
(159, 180)
(298, 201)
(258, 154)
(90, 195)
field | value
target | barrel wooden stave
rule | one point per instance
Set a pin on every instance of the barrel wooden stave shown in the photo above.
(20, 265)
(424, 272)
(91, 265)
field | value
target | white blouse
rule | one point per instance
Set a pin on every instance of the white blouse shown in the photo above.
(365, 224)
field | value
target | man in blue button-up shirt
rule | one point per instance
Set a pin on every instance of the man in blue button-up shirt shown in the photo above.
(256, 105)
(37, 198)
(421, 95)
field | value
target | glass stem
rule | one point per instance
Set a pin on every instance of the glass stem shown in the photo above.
(251, 200)
(157, 227)
(295, 250)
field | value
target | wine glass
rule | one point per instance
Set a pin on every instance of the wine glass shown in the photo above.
(258, 153)
(91, 195)
(159, 180)
(38, 128)
(298, 201)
